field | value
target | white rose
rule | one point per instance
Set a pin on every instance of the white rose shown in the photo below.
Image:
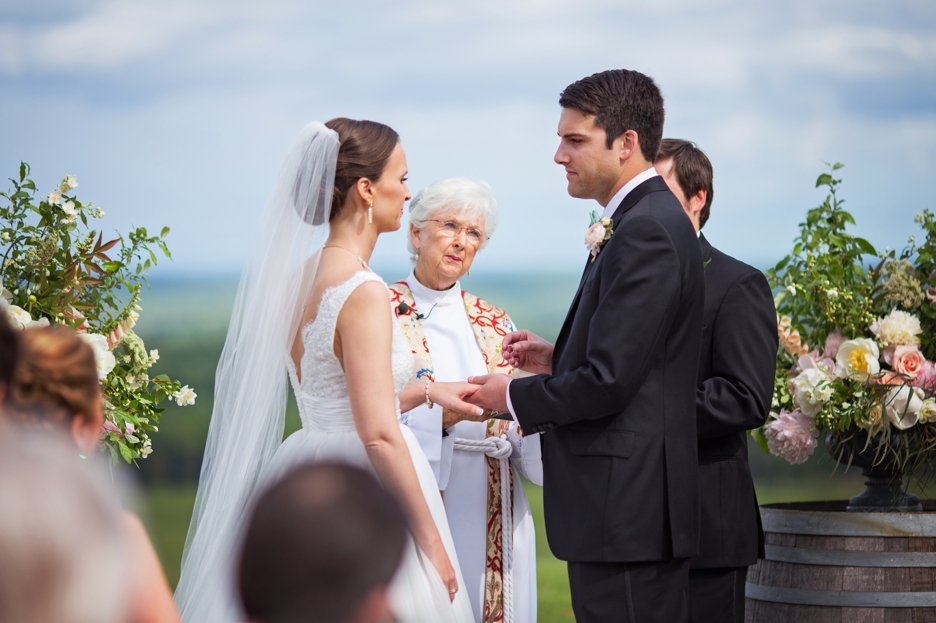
(18, 317)
(104, 359)
(902, 406)
(812, 391)
(927, 411)
(857, 359)
(898, 328)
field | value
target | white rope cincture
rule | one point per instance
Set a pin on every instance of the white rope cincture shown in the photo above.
(499, 448)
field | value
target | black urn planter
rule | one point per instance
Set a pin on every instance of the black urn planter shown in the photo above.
(884, 492)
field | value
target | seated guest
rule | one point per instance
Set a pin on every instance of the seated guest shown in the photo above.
(61, 555)
(55, 387)
(455, 335)
(736, 376)
(321, 546)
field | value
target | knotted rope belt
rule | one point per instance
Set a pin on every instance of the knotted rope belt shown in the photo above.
(500, 449)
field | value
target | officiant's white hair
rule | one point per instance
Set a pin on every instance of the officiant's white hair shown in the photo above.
(460, 197)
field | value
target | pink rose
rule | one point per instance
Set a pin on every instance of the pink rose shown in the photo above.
(832, 343)
(926, 377)
(908, 360)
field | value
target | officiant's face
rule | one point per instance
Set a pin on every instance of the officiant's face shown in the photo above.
(447, 245)
(592, 169)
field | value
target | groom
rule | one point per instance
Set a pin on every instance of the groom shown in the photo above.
(615, 397)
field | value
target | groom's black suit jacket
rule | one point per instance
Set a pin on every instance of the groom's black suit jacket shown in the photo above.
(618, 412)
(736, 377)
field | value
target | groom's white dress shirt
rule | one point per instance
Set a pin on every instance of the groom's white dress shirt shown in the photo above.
(609, 210)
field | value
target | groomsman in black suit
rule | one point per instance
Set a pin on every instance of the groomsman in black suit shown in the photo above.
(736, 375)
(615, 397)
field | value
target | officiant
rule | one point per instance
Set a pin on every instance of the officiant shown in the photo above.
(477, 461)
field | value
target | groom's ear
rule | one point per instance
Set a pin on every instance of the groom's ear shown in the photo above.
(627, 146)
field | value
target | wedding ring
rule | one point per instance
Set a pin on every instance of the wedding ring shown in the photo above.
(452, 591)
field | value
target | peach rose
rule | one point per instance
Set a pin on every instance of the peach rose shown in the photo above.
(908, 360)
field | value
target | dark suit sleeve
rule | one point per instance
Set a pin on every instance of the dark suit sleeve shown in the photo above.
(638, 297)
(737, 395)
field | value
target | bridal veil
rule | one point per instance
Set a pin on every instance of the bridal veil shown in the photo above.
(251, 381)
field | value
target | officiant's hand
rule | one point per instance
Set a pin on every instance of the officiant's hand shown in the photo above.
(491, 393)
(528, 352)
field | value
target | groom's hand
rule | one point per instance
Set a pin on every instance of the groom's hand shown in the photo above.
(528, 352)
(492, 393)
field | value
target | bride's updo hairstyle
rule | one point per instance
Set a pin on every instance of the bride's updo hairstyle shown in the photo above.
(55, 380)
(365, 149)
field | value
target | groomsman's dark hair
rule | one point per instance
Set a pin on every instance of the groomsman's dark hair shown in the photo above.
(319, 542)
(693, 171)
(620, 100)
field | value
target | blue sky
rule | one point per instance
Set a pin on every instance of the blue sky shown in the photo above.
(178, 112)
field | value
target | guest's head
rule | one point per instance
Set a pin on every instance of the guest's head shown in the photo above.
(610, 129)
(450, 220)
(9, 353)
(370, 173)
(321, 546)
(56, 387)
(688, 173)
(61, 545)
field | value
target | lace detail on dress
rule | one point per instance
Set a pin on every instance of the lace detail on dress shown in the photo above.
(321, 372)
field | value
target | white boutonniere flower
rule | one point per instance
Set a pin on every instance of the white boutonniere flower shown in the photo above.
(598, 234)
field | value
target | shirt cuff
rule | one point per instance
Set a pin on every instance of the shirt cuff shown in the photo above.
(510, 405)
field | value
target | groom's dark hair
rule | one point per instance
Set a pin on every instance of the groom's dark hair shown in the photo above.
(620, 100)
(319, 542)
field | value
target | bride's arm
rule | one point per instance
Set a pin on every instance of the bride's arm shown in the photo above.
(364, 347)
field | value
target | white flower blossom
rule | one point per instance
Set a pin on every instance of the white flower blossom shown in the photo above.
(55, 198)
(185, 397)
(791, 289)
(5, 236)
(103, 357)
(902, 406)
(897, 328)
(154, 355)
(72, 181)
(6, 297)
(147, 449)
(857, 359)
(70, 212)
(832, 293)
(812, 391)
(20, 318)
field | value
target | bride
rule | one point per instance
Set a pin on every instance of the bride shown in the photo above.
(316, 313)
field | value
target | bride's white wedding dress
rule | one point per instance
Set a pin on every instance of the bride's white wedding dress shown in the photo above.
(328, 434)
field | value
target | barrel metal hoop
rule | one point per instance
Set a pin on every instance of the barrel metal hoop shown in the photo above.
(820, 523)
(842, 558)
(841, 599)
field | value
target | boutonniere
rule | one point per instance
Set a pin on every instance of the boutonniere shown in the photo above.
(598, 234)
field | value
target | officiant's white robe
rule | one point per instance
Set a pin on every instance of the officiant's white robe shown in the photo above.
(465, 477)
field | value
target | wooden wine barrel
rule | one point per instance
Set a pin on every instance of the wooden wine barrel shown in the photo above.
(826, 565)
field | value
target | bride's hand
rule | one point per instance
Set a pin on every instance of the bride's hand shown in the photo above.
(452, 396)
(443, 565)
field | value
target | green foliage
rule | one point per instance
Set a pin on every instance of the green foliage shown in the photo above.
(55, 269)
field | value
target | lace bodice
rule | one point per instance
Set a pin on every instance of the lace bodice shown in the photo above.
(322, 378)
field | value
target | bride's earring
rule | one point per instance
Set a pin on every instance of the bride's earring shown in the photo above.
(370, 213)
(469, 272)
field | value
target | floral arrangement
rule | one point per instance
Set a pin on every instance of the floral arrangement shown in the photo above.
(599, 233)
(54, 269)
(857, 342)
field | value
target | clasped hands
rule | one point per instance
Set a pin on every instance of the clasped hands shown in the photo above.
(523, 350)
